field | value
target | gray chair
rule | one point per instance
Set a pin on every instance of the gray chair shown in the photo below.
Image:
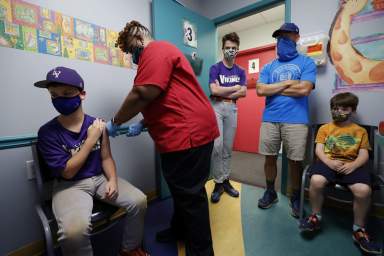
(106, 219)
(337, 192)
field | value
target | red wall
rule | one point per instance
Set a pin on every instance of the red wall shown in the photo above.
(250, 108)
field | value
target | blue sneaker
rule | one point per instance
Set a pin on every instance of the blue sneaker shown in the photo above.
(294, 202)
(310, 224)
(362, 239)
(269, 198)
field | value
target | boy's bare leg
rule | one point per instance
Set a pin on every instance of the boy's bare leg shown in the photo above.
(316, 196)
(361, 203)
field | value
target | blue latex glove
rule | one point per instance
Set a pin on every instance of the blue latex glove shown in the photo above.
(112, 128)
(135, 129)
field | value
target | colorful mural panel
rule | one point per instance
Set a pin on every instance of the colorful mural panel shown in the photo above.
(357, 44)
(29, 27)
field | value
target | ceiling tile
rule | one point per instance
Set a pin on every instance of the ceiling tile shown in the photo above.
(255, 20)
(276, 13)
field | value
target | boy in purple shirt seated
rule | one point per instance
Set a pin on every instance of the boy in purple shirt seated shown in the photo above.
(75, 147)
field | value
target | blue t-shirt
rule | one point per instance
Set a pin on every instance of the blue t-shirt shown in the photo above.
(227, 76)
(287, 109)
(57, 145)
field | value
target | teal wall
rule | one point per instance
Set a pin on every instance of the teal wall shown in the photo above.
(167, 24)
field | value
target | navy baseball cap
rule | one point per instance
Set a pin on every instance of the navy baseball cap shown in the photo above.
(286, 27)
(62, 75)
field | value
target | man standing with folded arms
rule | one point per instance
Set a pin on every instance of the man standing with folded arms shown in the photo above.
(286, 82)
(227, 84)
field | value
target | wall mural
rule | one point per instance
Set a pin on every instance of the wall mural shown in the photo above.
(33, 28)
(356, 46)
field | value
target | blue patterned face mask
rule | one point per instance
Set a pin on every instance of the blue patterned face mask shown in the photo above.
(230, 54)
(286, 49)
(65, 105)
(339, 116)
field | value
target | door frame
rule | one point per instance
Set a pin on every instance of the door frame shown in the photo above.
(252, 9)
(257, 49)
(257, 7)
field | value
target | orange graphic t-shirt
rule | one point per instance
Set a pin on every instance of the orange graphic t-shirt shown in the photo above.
(343, 143)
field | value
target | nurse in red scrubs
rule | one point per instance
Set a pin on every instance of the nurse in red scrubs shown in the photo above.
(182, 123)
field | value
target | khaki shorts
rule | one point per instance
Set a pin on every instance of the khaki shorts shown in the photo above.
(293, 136)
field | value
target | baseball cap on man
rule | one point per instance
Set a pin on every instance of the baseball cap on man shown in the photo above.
(62, 75)
(286, 27)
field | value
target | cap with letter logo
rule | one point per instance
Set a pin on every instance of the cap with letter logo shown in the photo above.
(62, 75)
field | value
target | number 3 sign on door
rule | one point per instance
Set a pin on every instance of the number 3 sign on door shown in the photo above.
(190, 32)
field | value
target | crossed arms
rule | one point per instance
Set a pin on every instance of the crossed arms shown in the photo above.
(293, 88)
(232, 92)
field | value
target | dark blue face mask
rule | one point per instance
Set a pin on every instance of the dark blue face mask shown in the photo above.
(286, 49)
(136, 55)
(65, 105)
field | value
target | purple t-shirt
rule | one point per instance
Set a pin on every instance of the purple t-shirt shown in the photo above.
(57, 145)
(226, 76)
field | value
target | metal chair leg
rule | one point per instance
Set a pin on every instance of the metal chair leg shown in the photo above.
(303, 181)
(49, 245)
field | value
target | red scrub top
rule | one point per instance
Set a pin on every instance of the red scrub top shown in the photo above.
(182, 116)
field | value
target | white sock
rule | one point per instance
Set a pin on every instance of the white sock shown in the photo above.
(356, 227)
(318, 215)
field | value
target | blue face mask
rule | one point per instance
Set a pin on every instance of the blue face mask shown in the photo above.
(136, 55)
(286, 49)
(66, 106)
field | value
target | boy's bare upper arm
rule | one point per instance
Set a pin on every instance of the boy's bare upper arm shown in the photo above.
(319, 148)
(363, 151)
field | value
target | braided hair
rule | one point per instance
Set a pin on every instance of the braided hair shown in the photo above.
(131, 31)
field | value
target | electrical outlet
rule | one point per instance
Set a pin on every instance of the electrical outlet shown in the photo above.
(30, 170)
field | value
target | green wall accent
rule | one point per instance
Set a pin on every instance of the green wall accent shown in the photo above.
(17, 141)
(30, 139)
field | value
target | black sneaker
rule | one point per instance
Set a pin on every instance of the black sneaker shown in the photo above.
(310, 224)
(229, 189)
(217, 192)
(269, 198)
(365, 243)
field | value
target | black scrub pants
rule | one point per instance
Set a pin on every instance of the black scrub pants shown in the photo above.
(186, 173)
